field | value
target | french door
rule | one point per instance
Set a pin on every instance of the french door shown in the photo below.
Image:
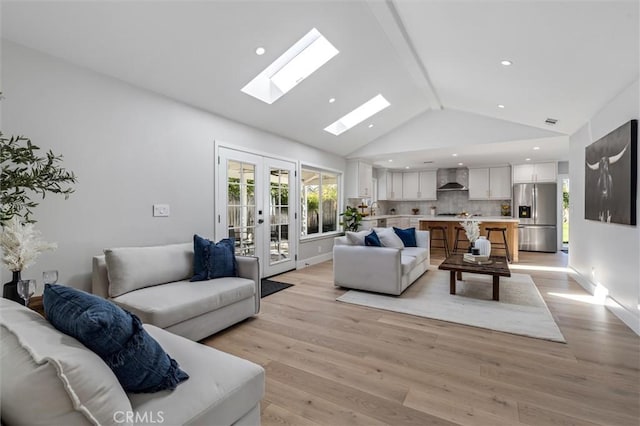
(255, 205)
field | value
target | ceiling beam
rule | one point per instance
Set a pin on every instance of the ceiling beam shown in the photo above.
(391, 23)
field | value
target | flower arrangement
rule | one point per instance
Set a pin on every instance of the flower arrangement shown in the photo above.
(21, 244)
(471, 228)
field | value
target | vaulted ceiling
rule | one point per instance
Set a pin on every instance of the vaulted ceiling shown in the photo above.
(433, 60)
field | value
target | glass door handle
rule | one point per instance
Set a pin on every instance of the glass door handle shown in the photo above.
(260, 220)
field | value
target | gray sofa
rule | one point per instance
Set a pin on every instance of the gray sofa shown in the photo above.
(153, 283)
(49, 378)
(380, 269)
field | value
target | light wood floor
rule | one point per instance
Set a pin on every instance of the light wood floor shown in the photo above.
(331, 363)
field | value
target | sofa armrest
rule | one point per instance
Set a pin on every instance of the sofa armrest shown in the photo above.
(100, 277)
(248, 267)
(422, 239)
(371, 268)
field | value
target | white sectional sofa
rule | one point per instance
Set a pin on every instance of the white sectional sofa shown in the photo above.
(379, 269)
(50, 378)
(153, 283)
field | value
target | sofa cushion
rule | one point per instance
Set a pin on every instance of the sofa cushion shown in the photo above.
(224, 389)
(372, 240)
(49, 377)
(172, 303)
(213, 260)
(117, 336)
(389, 238)
(421, 254)
(357, 238)
(131, 268)
(408, 236)
(408, 263)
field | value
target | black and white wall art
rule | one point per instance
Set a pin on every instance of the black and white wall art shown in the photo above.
(611, 176)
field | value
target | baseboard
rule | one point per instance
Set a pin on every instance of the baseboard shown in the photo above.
(314, 260)
(625, 315)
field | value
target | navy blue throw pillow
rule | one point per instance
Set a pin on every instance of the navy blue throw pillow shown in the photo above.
(213, 260)
(408, 236)
(116, 336)
(372, 240)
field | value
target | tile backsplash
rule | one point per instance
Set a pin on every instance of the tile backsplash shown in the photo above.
(447, 202)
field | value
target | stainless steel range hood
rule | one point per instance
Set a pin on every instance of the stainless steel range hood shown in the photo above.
(453, 179)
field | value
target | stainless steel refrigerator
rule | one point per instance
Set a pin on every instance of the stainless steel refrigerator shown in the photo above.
(536, 206)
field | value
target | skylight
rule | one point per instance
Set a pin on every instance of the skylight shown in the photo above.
(300, 61)
(358, 115)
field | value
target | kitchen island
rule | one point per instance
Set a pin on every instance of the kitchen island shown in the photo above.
(485, 222)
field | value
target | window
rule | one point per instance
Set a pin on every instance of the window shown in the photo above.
(319, 197)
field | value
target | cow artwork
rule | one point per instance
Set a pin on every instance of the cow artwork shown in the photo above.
(611, 176)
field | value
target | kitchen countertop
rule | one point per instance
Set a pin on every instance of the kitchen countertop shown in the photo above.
(445, 218)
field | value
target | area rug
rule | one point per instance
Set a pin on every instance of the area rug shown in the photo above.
(521, 309)
(270, 287)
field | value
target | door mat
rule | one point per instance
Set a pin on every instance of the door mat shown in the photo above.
(270, 287)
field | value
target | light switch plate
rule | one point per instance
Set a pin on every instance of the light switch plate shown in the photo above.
(161, 210)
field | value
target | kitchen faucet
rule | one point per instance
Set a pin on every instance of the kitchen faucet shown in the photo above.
(373, 209)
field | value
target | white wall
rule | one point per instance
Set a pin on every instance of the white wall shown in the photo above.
(611, 250)
(130, 148)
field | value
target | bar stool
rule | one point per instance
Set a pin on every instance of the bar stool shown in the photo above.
(463, 239)
(500, 245)
(443, 238)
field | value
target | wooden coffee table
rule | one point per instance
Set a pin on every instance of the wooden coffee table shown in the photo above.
(456, 266)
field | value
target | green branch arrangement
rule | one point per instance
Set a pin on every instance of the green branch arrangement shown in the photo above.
(25, 173)
(352, 219)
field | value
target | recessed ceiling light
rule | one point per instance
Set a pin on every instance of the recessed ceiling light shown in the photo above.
(454, 155)
(460, 164)
(535, 148)
(332, 100)
(506, 62)
(299, 61)
(527, 159)
(260, 51)
(391, 161)
(500, 106)
(358, 115)
(407, 167)
(370, 125)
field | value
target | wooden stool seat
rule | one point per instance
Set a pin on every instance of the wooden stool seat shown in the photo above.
(503, 245)
(433, 230)
(461, 236)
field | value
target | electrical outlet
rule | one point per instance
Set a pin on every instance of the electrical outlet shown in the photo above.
(161, 210)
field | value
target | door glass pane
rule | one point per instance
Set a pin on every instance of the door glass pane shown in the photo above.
(241, 205)
(278, 214)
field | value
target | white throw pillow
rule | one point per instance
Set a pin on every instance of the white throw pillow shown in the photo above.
(51, 378)
(389, 238)
(132, 268)
(357, 238)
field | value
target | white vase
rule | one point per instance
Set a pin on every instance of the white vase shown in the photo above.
(483, 245)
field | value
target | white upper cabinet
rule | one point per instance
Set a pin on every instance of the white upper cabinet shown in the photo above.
(490, 183)
(536, 172)
(479, 184)
(359, 179)
(394, 182)
(500, 183)
(407, 185)
(410, 186)
(428, 185)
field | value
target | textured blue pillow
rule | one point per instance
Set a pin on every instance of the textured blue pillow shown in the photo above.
(117, 336)
(372, 240)
(213, 260)
(408, 236)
